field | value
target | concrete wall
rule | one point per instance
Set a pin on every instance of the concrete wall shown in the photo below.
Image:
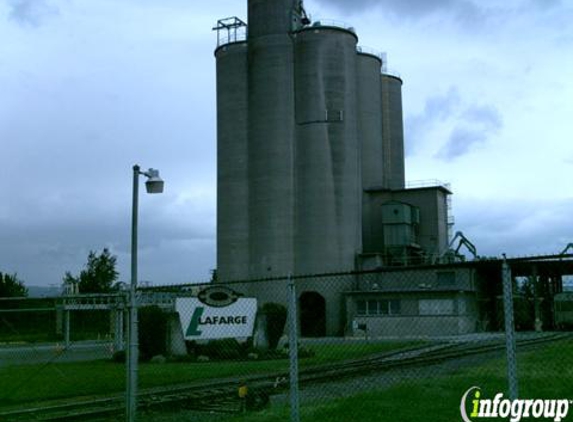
(409, 322)
(276, 291)
(417, 326)
(419, 280)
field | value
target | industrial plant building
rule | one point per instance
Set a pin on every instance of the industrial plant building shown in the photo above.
(311, 177)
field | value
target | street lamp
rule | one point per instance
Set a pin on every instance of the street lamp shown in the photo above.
(154, 184)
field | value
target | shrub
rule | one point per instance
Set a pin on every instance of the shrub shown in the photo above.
(119, 356)
(152, 332)
(227, 348)
(222, 349)
(276, 315)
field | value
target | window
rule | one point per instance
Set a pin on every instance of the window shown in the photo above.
(394, 307)
(383, 306)
(377, 307)
(373, 307)
(361, 307)
(436, 307)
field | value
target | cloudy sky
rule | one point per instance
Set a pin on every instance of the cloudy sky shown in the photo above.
(89, 88)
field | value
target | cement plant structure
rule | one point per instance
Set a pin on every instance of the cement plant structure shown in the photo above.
(310, 144)
(310, 147)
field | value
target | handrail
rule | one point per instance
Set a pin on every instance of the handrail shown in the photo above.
(332, 23)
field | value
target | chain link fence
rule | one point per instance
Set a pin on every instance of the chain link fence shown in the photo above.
(467, 341)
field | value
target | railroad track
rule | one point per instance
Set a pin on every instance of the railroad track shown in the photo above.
(221, 395)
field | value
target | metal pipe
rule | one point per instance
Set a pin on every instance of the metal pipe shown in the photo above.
(509, 330)
(67, 329)
(293, 352)
(132, 349)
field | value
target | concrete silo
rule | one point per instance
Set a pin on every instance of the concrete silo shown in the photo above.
(232, 160)
(370, 118)
(392, 132)
(306, 124)
(369, 134)
(327, 190)
(271, 134)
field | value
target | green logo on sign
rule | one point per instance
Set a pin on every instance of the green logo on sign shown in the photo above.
(193, 329)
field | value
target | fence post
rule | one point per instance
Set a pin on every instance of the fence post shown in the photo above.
(132, 358)
(509, 330)
(66, 329)
(293, 351)
(538, 323)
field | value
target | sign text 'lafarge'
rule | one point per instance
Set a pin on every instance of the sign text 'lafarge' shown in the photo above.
(201, 320)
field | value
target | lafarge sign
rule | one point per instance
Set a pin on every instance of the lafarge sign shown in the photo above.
(217, 313)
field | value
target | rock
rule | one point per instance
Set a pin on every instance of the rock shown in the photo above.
(253, 356)
(283, 342)
(158, 359)
(202, 358)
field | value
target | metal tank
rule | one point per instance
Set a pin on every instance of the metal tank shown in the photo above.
(328, 177)
(271, 136)
(392, 132)
(232, 162)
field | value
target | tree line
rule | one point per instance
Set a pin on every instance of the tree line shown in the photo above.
(99, 275)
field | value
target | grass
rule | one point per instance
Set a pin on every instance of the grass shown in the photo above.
(545, 373)
(29, 383)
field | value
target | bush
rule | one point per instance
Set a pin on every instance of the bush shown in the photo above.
(119, 356)
(276, 315)
(152, 332)
(227, 348)
(224, 349)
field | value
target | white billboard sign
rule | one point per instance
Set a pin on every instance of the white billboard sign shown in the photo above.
(201, 321)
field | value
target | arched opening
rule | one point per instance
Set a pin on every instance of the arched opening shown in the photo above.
(312, 307)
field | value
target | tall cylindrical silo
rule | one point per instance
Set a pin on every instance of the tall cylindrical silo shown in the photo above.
(271, 137)
(232, 162)
(392, 132)
(370, 119)
(271, 17)
(369, 136)
(327, 228)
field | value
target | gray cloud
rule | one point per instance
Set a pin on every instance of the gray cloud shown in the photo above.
(31, 12)
(42, 250)
(472, 125)
(463, 9)
(437, 108)
(441, 106)
(460, 143)
(476, 124)
(517, 228)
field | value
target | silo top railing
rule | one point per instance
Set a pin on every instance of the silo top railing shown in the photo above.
(429, 183)
(230, 30)
(371, 51)
(391, 72)
(332, 23)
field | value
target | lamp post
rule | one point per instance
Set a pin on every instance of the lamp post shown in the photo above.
(154, 184)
